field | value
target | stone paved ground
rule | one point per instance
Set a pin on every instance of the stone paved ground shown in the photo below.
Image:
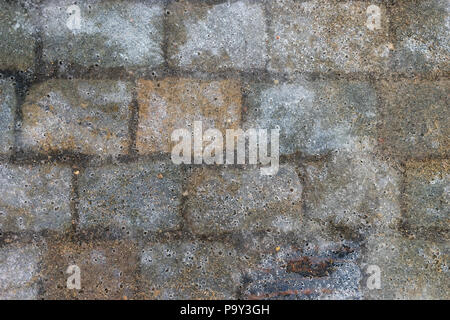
(358, 89)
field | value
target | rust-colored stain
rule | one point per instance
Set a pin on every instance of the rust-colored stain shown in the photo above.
(308, 267)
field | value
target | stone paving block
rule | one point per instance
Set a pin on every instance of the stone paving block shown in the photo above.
(19, 271)
(427, 197)
(191, 270)
(229, 35)
(17, 48)
(414, 119)
(172, 103)
(108, 270)
(410, 269)
(315, 117)
(328, 271)
(323, 36)
(79, 116)
(35, 198)
(354, 192)
(421, 29)
(7, 113)
(136, 197)
(110, 34)
(244, 201)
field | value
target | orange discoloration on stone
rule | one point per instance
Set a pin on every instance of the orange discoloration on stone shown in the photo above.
(176, 103)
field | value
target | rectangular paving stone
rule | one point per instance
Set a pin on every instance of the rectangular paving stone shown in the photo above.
(35, 197)
(78, 116)
(109, 34)
(316, 117)
(355, 192)
(414, 119)
(427, 197)
(191, 270)
(323, 36)
(173, 103)
(8, 105)
(409, 269)
(19, 271)
(207, 37)
(131, 198)
(17, 48)
(328, 271)
(421, 29)
(241, 200)
(108, 270)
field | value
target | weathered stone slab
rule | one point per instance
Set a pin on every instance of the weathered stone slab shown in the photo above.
(421, 29)
(317, 117)
(17, 48)
(19, 272)
(173, 103)
(35, 198)
(427, 197)
(109, 34)
(135, 198)
(191, 270)
(409, 269)
(229, 35)
(323, 36)
(354, 192)
(414, 119)
(108, 270)
(244, 201)
(79, 116)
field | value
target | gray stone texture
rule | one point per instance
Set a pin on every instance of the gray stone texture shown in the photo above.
(135, 198)
(421, 29)
(35, 197)
(19, 271)
(316, 117)
(243, 201)
(229, 35)
(8, 105)
(17, 47)
(414, 118)
(112, 34)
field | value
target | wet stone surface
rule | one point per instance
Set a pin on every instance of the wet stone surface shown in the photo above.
(421, 29)
(232, 200)
(229, 35)
(131, 199)
(175, 103)
(17, 48)
(109, 34)
(315, 117)
(427, 198)
(410, 269)
(87, 117)
(413, 119)
(324, 36)
(191, 270)
(8, 103)
(108, 270)
(19, 270)
(35, 198)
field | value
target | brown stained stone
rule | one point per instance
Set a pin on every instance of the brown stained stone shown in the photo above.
(414, 119)
(108, 270)
(174, 103)
(88, 117)
(427, 199)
